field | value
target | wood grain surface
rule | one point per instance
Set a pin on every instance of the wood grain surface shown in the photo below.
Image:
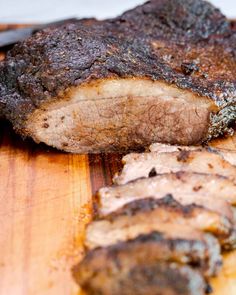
(45, 203)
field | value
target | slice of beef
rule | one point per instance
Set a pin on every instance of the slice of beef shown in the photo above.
(117, 273)
(228, 155)
(200, 161)
(197, 185)
(179, 243)
(168, 209)
(162, 72)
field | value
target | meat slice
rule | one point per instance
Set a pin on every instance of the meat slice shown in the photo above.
(158, 73)
(197, 216)
(197, 185)
(228, 155)
(178, 242)
(168, 209)
(143, 165)
(101, 273)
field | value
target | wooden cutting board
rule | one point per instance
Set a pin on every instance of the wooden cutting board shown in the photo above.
(45, 203)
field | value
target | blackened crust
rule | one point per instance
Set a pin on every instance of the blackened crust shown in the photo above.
(233, 25)
(144, 279)
(149, 204)
(194, 252)
(145, 251)
(189, 44)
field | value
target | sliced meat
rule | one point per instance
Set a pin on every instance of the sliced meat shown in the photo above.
(168, 210)
(179, 243)
(117, 273)
(158, 73)
(197, 216)
(142, 165)
(197, 185)
(228, 155)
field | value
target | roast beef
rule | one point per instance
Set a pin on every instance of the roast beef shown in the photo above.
(162, 72)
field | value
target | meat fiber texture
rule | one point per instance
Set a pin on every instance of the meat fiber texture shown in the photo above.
(200, 216)
(162, 72)
(163, 210)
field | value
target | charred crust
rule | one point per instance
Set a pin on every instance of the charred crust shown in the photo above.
(149, 204)
(143, 279)
(136, 251)
(223, 122)
(233, 25)
(152, 41)
(152, 173)
(154, 237)
(188, 68)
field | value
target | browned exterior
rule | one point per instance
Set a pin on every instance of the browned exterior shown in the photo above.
(202, 253)
(111, 270)
(31, 221)
(170, 210)
(189, 44)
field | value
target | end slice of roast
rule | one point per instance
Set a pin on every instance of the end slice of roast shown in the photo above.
(108, 272)
(200, 161)
(158, 73)
(179, 243)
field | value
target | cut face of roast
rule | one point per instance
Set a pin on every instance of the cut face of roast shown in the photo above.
(157, 73)
(119, 114)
